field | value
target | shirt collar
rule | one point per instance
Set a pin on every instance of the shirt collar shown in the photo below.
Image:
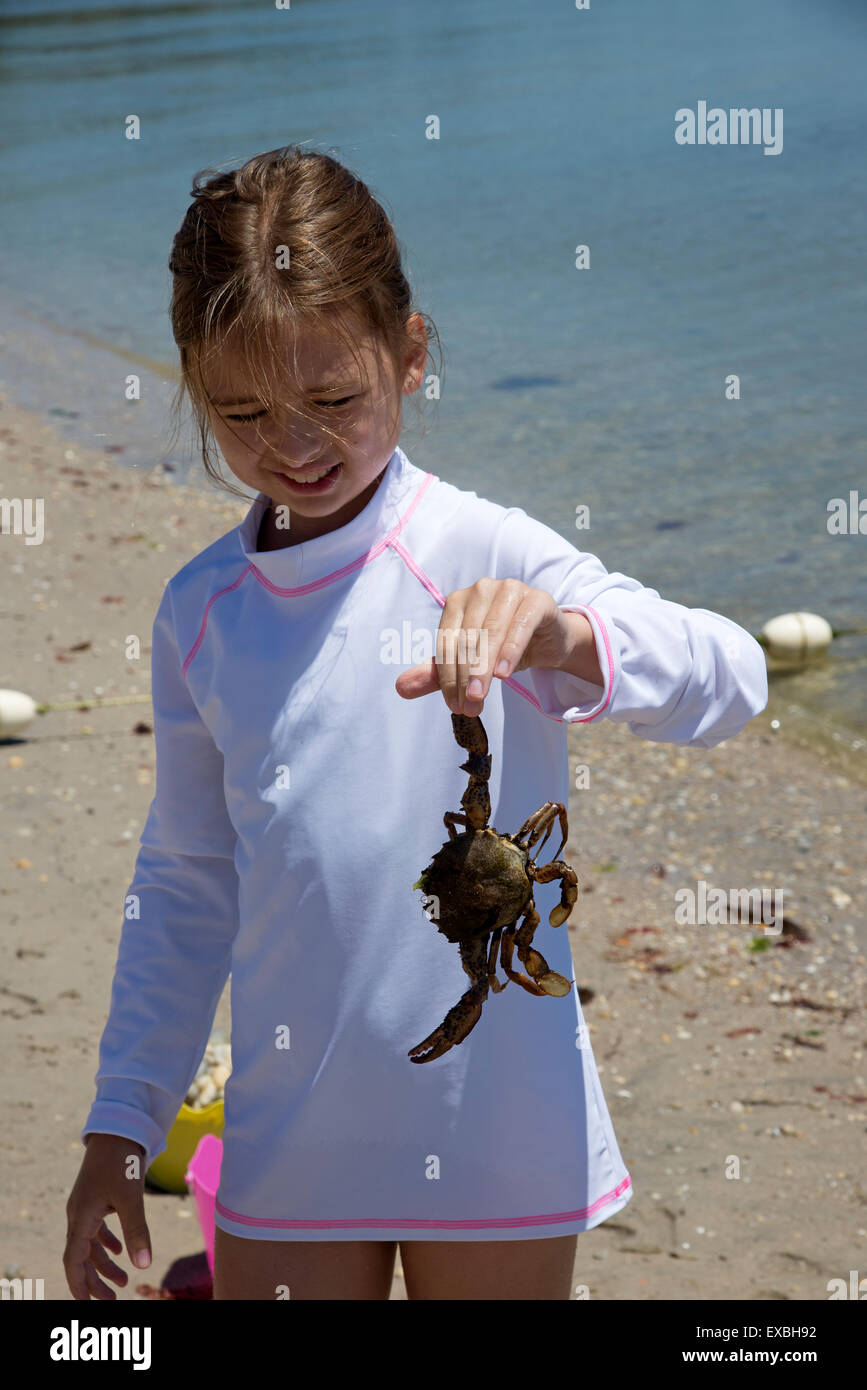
(314, 559)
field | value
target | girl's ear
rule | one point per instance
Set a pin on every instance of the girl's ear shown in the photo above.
(416, 356)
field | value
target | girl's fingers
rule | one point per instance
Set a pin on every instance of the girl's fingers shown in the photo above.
(95, 1284)
(75, 1261)
(101, 1261)
(84, 1256)
(472, 651)
(447, 643)
(109, 1239)
(520, 623)
(493, 620)
(508, 627)
(466, 626)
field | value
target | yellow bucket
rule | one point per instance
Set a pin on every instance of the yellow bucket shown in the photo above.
(168, 1168)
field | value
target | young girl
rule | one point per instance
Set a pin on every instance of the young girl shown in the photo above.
(300, 790)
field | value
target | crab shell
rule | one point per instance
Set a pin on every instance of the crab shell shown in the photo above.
(481, 883)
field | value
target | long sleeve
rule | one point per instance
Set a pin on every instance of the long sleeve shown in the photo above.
(672, 674)
(180, 919)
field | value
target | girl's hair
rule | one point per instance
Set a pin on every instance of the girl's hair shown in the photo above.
(290, 240)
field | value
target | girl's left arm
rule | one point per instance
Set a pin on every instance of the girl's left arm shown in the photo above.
(672, 674)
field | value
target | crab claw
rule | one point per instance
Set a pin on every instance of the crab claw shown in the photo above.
(458, 1022)
(547, 979)
(555, 984)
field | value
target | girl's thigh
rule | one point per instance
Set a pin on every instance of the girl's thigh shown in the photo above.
(299, 1269)
(492, 1269)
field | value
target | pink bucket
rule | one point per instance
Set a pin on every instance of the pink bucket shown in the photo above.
(203, 1178)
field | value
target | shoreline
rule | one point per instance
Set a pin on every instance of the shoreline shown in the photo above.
(842, 743)
(844, 747)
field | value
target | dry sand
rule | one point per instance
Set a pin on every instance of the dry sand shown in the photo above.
(708, 1049)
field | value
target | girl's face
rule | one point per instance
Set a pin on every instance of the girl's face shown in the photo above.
(272, 458)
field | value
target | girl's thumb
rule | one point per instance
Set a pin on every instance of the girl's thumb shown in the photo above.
(135, 1231)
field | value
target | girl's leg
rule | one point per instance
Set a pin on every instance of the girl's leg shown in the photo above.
(490, 1269)
(307, 1269)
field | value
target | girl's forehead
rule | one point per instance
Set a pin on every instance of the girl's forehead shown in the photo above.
(313, 358)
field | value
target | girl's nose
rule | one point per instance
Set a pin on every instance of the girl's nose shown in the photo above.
(301, 456)
(298, 447)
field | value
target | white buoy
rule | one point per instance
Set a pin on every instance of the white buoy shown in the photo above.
(17, 710)
(797, 637)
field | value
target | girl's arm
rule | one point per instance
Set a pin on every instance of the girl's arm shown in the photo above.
(672, 674)
(180, 919)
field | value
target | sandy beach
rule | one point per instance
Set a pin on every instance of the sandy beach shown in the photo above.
(714, 1042)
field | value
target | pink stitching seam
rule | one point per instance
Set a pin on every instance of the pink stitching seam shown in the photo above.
(406, 1223)
(213, 599)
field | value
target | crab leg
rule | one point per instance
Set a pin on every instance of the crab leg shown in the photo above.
(540, 821)
(545, 980)
(568, 887)
(470, 734)
(506, 953)
(495, 984)
(453, 818)
(463, 1017)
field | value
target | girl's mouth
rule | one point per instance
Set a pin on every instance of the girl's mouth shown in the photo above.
(323, 484)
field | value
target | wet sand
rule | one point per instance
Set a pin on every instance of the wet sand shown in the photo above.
(720, 1047)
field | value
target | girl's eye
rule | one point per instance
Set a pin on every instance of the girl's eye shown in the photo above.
(328, 405)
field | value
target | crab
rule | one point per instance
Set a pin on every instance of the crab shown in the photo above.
(482, 882)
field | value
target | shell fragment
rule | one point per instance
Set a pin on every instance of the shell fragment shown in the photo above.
(209, 1082)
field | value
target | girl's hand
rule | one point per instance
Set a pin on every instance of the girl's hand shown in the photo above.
(104, 1184)
(495, 620)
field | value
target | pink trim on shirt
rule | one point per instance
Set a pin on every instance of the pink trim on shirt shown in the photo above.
(359, 563)
(575, 607)
(505, 1223)
(213, 599)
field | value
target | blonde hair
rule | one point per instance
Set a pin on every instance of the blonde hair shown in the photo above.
(344, 274)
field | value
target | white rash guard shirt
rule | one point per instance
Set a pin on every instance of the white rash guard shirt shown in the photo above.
(298, 799)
